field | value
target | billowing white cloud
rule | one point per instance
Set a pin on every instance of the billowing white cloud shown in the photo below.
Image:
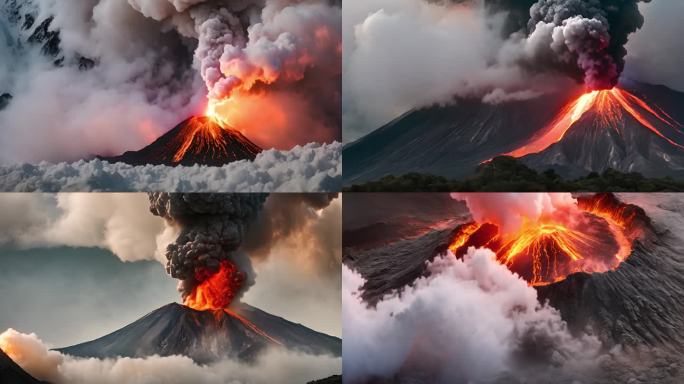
(309, 168)
(470, 320)
(274, 366)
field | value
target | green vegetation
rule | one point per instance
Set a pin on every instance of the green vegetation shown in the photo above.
(506, 174)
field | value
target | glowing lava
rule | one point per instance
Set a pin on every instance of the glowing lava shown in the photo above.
(216, 112)
(216, 290)
(205, 132)
(597, 239)
(609, 106)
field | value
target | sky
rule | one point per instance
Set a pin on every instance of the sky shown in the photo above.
(405, 54)
(78, 266)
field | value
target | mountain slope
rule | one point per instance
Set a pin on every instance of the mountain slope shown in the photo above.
(197, 140)
(445, 140)
(451, 141)
(11, 372)
(206, 336)
(593, 144)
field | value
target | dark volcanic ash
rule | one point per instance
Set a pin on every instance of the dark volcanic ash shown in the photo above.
(582, 38)
(212, 228)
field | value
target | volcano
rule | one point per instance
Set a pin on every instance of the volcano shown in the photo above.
(638, 302)
(11, 372)
(207, 336)
(634, 127)
(197, 140)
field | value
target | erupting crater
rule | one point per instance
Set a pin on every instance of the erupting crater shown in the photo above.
(217, 290)
(203, 140)
(608, 109)
(596, 237)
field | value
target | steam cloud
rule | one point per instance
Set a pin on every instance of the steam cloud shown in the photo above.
(508, 210)
(212, 228)
(471, 320)
(275, 365)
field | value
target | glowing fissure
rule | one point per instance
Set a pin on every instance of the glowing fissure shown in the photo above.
(609, 106)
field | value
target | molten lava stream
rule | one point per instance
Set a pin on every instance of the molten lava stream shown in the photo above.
(552, 248)
(609, 105)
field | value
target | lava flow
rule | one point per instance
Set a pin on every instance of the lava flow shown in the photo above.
(609, 107)
(596, 238)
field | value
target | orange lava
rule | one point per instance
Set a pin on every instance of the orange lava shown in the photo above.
(609, 105)
(549, 249)
(252, 326)
(202, 131)
(216, 290)
(549, 244)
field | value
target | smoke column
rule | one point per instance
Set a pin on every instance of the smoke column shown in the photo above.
(212, 228)
(288, 51)
(581, 38)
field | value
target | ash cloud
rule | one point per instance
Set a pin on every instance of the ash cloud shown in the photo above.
(211, 229)
(471, 320)
(34, 356)
(310, 168)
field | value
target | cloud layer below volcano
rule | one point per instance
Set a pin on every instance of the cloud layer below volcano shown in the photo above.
(274, 366)
(310, 168)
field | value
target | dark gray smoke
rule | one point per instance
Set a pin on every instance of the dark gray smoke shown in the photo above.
(582, 38)
(212, 228)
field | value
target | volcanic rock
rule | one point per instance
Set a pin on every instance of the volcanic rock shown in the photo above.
(207, 336)
(197, 140)
(452, 140)
(11, 372)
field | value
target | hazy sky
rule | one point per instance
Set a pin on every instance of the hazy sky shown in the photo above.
(71, 294)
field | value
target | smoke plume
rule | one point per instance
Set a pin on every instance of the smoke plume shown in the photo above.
(495, 50)
(509, 210)
(211, 229)
(112, 75)
(470, 320)
(583, 38)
